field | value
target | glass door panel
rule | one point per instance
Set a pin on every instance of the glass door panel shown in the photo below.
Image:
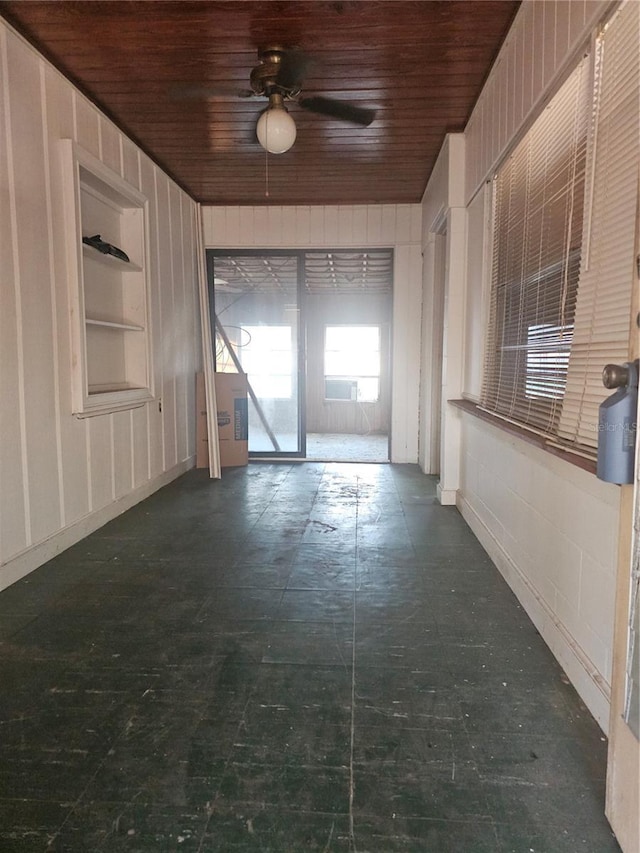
(257, 318)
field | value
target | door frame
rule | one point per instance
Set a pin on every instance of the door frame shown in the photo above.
(299, 255)
(623, 758)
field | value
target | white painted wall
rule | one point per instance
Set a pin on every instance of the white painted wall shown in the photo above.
(544, 40)
(444, 217)
(60, 476)
(338, 227)
(477, 291)
(550, 527)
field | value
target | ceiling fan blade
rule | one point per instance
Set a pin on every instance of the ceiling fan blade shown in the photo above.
(293, 67)
(338, 109)
(198, 91)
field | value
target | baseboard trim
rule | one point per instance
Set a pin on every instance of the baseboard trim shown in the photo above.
(593, 689)
(446, 497)
(32, 558)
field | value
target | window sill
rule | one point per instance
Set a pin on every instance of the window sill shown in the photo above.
(526, 435)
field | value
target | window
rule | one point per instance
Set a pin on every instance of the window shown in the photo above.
(538, 215)
(267, 357)
(565, 220)
(352, 363)
(548, 349)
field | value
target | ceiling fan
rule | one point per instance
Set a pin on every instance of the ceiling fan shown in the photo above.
(279, 77)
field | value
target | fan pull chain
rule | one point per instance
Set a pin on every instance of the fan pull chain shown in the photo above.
(266, 173)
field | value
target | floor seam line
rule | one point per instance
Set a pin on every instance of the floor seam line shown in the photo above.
(352, 837)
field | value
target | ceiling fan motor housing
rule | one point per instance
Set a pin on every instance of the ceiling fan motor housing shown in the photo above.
(263, 76)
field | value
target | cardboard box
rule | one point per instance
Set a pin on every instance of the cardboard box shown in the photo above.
(233, 419)
(202, 434)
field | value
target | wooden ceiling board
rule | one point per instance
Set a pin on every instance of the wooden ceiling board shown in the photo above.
(421, 65)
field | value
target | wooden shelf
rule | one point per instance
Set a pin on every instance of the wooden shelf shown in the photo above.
(111, 388)
(109, 260)
(108, 324)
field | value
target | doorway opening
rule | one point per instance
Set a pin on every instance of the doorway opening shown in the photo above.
(312, 332)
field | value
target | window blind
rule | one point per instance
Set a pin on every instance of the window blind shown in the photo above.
(538, 214)
(603, 319)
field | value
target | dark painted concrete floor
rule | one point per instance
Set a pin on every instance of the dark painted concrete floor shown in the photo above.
(296, 658)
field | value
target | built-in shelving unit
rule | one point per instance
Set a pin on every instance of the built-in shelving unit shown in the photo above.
(111, 347)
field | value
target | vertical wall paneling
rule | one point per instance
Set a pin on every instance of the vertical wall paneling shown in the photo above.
(561, 40)
(545, 38)
(517, 70)
(288, 220)
(154, 410)
(14, 502)
(316, 225)
(174, 282)
(400, 354)
(130, 157)
(549, 58)
(122, 454)
(188, 356)
(110, 152)
(55, 335)
(87, 125)
(415, 235)
(100, 460)
(539, 16)
(272, 223)
(60, 123)
(192, 316)
(342, 226)
(374, 223)
(345, 221)
(140, 446)
(302, 217)
(232, 219)
(401, 222)
(332, 234)
(476, 302)
(183, 323)
(63, 476)
(453, 351)
(170, 335)
(139, 417)
(360, 225)
(166, 330)
(247, 227)
(34, 301)
(121, 445)
(191, 222)
(444, 285)
(261, 227)
(433, 285)
(406, 353)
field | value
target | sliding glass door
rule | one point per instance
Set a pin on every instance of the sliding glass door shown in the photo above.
(258, 330)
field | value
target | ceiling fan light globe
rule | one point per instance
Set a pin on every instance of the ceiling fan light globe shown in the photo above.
(276, 130)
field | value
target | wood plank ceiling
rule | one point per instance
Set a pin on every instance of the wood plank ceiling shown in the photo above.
(420, 65)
